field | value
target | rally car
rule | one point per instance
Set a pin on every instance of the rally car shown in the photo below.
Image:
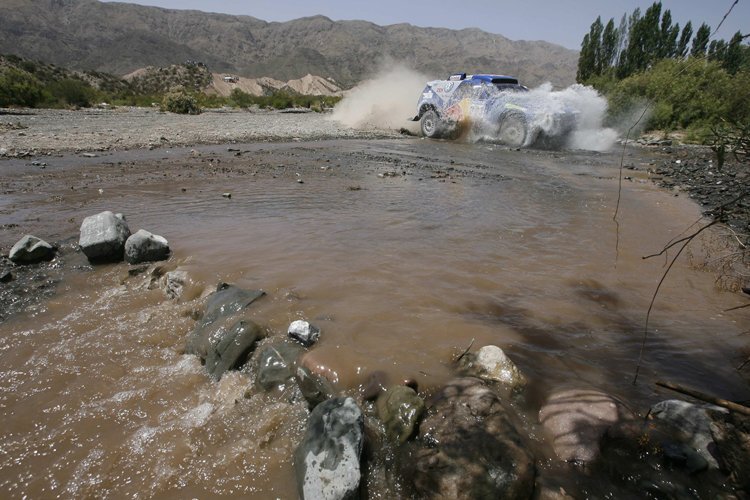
(496, 107)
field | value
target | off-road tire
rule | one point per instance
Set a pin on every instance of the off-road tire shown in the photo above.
(513, 131)
(431, 124)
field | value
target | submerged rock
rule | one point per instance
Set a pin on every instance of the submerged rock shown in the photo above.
(693, 425)
(145, 247)
(399, 408)
(472, 449)
(576, 420)
(30, 250)
(276, 364)
(314, 387)
(491, 363)
(230, 348)
(327, 460)
(304, 332)
(103, 237)
(223, 338)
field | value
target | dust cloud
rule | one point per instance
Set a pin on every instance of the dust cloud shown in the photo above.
(390, 98)
(387, 100)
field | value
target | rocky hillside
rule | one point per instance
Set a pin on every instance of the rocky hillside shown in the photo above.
(120, 38)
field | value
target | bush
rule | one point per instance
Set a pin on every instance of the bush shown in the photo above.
(19, 88)
(180, 102)
(71, 92)
(691, 94)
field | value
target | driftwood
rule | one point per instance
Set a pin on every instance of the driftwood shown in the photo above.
(729, 405)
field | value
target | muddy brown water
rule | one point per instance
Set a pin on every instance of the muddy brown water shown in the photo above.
(404, 252)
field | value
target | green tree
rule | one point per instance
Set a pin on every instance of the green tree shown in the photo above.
(733, 54)
(610, 42)
(682, 45)
(586, 60)
(700, 42)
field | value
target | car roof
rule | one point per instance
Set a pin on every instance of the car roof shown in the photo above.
(490, 78)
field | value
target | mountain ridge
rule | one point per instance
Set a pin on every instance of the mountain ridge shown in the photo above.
(120, 38)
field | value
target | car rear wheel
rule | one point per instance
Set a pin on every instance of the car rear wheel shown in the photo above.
(430, 124)
(513, 131)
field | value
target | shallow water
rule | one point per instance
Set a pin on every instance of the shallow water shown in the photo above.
(401, 273)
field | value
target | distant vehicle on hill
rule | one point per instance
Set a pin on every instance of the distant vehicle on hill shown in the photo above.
(492, 106)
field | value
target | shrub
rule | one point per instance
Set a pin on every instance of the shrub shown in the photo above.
(19, 88)
(71, 92)
(179, 101)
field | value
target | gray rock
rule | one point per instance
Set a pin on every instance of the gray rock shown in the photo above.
(303, 332)
(103, 237)
(6, 276)
(472, 449)
(145, 247)
(230, 348)
(175, 283)
(490, 363)
(576, 420)
(30, 250)
(314, 387)
(692, 423)
(399, 408)
(327, 460)
(276, 364)
(223, 337)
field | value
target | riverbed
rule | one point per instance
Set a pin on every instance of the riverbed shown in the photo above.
(405, 252)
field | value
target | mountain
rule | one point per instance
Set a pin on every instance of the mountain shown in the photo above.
(120, 38)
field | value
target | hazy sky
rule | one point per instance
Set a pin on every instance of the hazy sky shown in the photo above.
(559, 21)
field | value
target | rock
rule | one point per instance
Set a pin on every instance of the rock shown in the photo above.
(472, 450)
(30, 250)
(103, 237)
(684, 456)
(490, 363)
(304, 332)
(6, 276)
(223, 337)
(692, 424)
(732, 435)
(327, 460)
(174, 283)
(145, 247)
(230, 348)
(399, 408)
(314, 388)
(276, 364)
(576, 420)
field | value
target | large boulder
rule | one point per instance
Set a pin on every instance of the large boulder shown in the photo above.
(103, 237)
(224, 338)
(400, 408)
(30, 250)
(327, 461)
(145, 247)
(576, 420)
(471, 447)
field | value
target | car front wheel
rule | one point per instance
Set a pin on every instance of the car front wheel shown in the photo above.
(431, 124)
(513, 131)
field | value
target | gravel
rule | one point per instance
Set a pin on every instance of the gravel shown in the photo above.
(33, 132)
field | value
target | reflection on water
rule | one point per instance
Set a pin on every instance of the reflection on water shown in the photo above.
(401, 273)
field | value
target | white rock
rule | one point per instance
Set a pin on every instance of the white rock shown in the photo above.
(493, 364)
(103, 236)
(146, 247)
(304, 332)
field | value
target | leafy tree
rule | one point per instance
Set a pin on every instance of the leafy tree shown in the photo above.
(610, 42)
(71, 92)
(733, 54)
(700, 42)
(682, 45)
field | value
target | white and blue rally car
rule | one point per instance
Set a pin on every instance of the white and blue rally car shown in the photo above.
(494, 107)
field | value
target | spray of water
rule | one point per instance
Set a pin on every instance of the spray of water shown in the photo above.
(389, 99)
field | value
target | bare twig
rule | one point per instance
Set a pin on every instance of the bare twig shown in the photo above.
(729, 405)
(466, 351)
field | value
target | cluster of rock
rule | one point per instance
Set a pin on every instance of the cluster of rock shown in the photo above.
(106, 237)
(463, 440)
